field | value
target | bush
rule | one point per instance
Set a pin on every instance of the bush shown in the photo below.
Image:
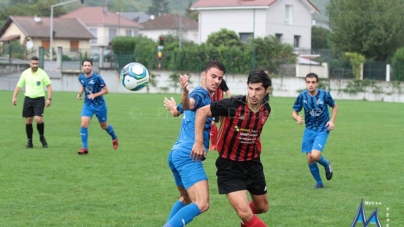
(398, 65)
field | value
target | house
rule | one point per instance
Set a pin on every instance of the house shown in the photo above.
(34, 32)
(104, 25)
(289, 20)
(171, 24)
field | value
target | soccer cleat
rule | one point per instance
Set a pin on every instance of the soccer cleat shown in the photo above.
(29, 144)
(115, 143)
(43, 141)
(82, 151)
(319, 186)
(328, 172)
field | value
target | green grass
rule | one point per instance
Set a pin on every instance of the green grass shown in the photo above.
(133, 185)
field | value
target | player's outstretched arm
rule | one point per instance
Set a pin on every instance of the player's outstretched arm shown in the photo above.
(171, 106)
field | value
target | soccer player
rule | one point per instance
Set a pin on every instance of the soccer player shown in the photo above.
(318, 125)
(34, 79)
(189, 175)
(217, 95)
(94, 88)
(239, 168)
(176, 111)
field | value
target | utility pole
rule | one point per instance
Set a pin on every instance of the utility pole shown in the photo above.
(51, 33)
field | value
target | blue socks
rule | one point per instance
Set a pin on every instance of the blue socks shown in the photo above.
(315, 172)
(111, 132)
(84, 137)
(323, 161)
(184, 216)
(177, 206)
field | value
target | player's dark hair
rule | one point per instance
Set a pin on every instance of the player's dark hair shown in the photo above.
(259, 76)
(312, 75)
(35, 58)
(214, 64)
(88, 60)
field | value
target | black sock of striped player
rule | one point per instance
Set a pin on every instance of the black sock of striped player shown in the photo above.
(29, 131)
(41, 128)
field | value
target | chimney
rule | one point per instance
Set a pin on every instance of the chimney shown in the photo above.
(105, 8)
(37, 19)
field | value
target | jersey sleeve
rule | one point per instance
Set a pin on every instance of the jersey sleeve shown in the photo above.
(297, 106)
(101, 82)
(46, 79)
(223, 86)
(329, 100)
(21, 81)
(179, 108)
(198, 97)
(224, 107)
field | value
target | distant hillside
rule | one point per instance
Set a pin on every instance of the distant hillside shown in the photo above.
(321, 5)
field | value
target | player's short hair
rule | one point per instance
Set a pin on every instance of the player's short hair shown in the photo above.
(214, 64)
(34, 58)
(259, 76)
(312, 75)
(88, 60)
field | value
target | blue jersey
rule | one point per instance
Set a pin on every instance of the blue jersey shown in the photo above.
(315, 109)
(92, 84)
(186, 138)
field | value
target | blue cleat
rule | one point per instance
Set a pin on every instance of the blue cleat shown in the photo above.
(319, 186)
(328, 172)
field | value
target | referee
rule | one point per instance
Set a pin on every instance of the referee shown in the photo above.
(34, 80)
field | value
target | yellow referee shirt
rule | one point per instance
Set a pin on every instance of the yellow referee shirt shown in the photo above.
(34, 82)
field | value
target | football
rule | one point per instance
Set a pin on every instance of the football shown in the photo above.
(134, 76)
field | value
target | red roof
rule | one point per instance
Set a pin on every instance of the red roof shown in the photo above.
(227, 3)
(237, 3)
(91, 16)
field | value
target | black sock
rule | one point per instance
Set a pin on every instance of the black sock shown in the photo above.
(29, 131)
(41, 128)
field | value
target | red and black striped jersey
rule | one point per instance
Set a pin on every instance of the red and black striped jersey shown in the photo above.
(240, 130)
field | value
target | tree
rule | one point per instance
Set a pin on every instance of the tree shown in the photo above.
(191, 14)
(159, 8)
(319, 37)
(372, 28)
(224, 37)
(270, 53)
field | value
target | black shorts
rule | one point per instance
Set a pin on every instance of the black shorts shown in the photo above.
(216, 118)
(236, 176)
(33, 107)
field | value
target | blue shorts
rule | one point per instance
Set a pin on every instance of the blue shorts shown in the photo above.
(313, 140)
(100, 112)
(186, 171)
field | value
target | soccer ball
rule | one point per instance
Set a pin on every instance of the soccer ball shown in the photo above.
(134, 76)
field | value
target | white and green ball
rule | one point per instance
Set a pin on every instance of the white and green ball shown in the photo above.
(134, 76)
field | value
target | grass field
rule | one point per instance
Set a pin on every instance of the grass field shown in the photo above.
(133, 185)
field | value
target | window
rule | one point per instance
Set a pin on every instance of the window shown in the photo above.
(74, 46)
(279, 37)
(135, 32)
(289, 14)
(296, 41)
(128, 32)
(94, 32)
(245, 36)
(112, 34)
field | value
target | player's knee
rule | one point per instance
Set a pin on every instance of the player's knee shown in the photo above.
(104, 126)
(262, 208)
(203, 206)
